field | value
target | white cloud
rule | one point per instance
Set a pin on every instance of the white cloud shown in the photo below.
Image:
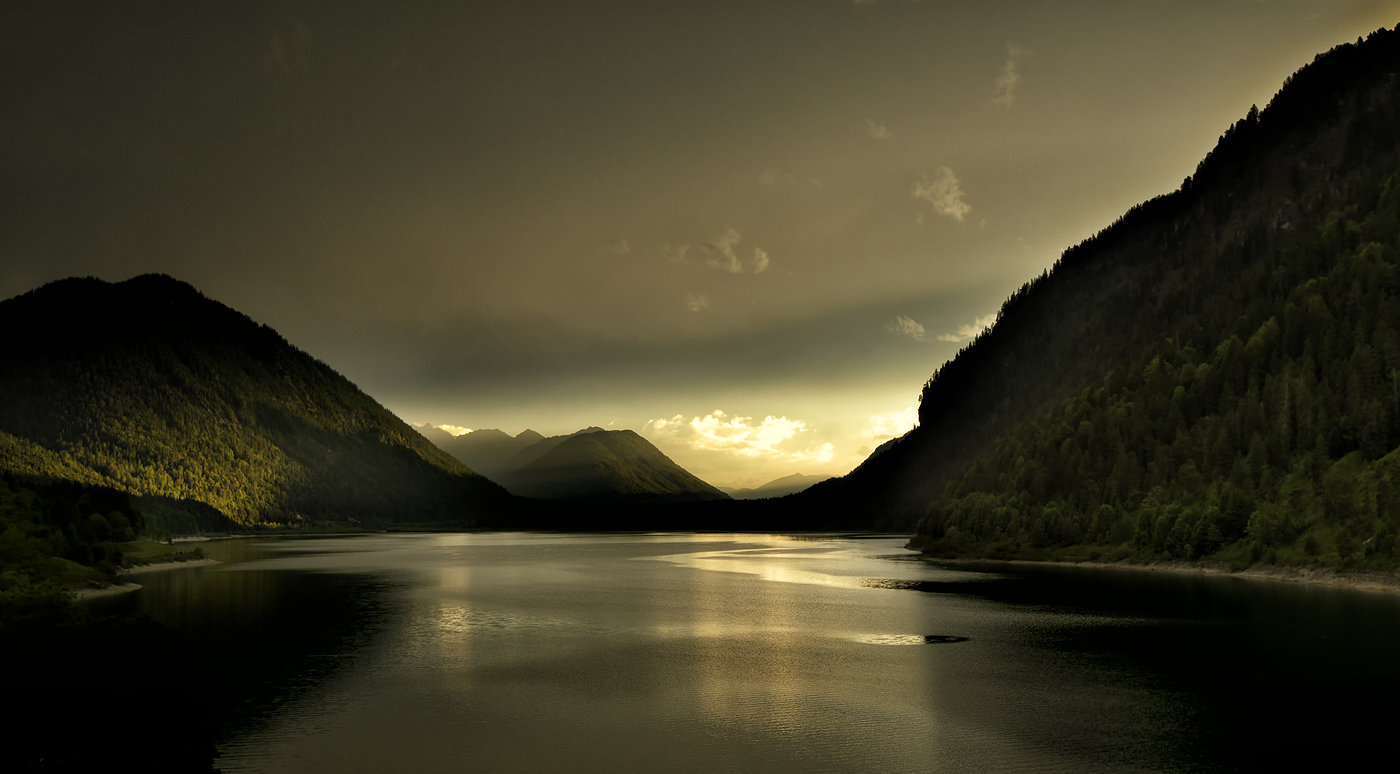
(720, 254)
(1004, 94)
(695, 302)
(943, 192)
(878, 131)
(970, 331)
(883, 427)
(617, 246)
(739, 436)
(454, 429)
(906, 326)
(891, 424)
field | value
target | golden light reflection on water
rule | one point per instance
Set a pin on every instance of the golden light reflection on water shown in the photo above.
(456, 578)
(773, 565)
(625, 653)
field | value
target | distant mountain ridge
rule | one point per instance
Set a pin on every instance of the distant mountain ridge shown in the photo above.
(603, 466)
(495, 454)
(780, 487)
(489, 452)
(149, 387)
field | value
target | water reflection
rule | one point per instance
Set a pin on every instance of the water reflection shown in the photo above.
(529, 652)
(910, 639)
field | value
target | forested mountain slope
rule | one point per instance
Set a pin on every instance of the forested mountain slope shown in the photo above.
(151, 388)
(1220, 347)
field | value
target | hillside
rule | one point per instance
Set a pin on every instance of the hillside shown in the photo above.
(538, 449)
(1212, 375)
(608, 466)
(148, 387)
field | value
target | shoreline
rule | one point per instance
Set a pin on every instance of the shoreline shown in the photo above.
(83, 595)
(116, 589)
(1314, 576)
(172, 565)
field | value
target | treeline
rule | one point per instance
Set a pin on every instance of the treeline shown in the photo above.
(149, 387)
(1287, 193)
(1264, 430)
(86, 689)
(81, 524)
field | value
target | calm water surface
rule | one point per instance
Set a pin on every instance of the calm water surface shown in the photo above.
(701, 653)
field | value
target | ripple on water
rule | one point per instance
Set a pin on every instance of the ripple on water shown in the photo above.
(910, 639)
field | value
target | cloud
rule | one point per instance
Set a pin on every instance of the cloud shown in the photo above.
(970, 331)
(1004, 94)
(695, 302)
(675, 254)
(617, 246)
(890, 424)
(878, 131)
(943, 192)
(720, 254)
(760, 261)
(739, 436)
(883, 427)
(905, 326)
(452, 429)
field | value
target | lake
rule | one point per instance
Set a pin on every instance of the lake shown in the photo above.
(523, 652)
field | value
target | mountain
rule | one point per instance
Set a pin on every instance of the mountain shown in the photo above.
(614, 466)
(538, 449)
(148, 387)
(436, 435)
(779, 487)
(489, 452)
(1212, 376)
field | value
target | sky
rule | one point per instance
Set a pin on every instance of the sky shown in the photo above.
(749, 231)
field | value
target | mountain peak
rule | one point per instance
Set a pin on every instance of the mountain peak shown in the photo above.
(151, 387)
(599, 465)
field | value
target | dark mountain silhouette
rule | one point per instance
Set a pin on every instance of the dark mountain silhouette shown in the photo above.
(1214, 374)
(489, 452)
(538, 449)
(779, 487)
(608, 466)
(148, 387)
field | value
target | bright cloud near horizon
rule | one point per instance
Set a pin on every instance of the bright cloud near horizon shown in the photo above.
(556, 215)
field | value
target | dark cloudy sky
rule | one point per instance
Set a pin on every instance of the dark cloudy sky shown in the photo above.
(627, 214)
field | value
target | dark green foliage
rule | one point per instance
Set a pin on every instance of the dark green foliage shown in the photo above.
(1256, 424)
(149, 387)
(1204, 360)
(82, 524)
